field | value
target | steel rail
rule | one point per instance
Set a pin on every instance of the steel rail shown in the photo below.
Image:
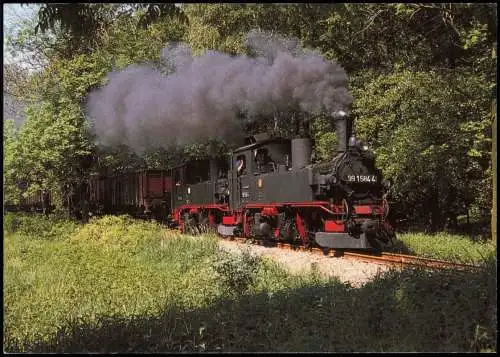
(393, 259)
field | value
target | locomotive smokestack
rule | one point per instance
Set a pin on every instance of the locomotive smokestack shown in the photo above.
(340, 118)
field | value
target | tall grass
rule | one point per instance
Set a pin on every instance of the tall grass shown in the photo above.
(448, 247)
(120, 285)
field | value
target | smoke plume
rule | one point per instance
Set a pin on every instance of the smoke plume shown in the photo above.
(203, 96)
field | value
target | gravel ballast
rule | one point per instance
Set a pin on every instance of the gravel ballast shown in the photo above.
(347, 270)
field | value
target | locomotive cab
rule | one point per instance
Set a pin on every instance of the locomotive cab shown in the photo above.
(259, 170)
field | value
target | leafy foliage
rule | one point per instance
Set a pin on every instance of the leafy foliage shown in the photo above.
(236, 272)
(429, 132)
(53, 149)
(83, 25)
(11, 188)
(36, 227)
(419, 36)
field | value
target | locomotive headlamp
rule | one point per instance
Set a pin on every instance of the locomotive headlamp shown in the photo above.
(189, 190)
(339, 114)
(386, 183)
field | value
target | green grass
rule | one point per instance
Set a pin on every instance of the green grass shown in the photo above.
(103, 268)
(119, 285)
(448, 247)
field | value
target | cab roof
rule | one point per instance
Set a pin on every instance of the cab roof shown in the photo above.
(260, 143)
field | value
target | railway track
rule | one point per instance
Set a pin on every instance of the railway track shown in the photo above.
(392, 259)
(383, 258)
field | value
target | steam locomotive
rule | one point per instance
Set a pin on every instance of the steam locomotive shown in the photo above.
(267, 189)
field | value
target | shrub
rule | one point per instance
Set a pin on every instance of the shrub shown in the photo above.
(11, 222)
(237, 272)
(118, 231)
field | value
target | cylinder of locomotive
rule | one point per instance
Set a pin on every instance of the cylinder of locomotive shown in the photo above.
(301, 152)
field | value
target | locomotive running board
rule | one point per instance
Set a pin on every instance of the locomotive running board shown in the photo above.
(341, 240)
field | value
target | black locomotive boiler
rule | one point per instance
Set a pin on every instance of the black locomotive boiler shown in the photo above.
(269, 189)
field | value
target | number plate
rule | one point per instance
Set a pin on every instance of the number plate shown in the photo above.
(362, 178)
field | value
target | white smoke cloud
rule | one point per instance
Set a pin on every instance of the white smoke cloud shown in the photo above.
(201, 97)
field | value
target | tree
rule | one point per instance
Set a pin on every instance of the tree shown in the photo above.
(128, 42)
(460, 34)
(63, 151)
(83, 25)
(223, 27)
(10, 147)
(54, 151)
(418, 36)
(428, 130)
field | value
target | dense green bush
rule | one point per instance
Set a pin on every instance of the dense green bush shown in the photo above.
(236, 272)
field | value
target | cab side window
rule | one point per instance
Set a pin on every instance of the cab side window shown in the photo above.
(263, 161)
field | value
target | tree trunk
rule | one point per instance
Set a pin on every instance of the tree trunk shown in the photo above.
(435, 212)
(494, 172)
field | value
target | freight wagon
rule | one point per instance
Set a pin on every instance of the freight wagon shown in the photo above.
(146, 193)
